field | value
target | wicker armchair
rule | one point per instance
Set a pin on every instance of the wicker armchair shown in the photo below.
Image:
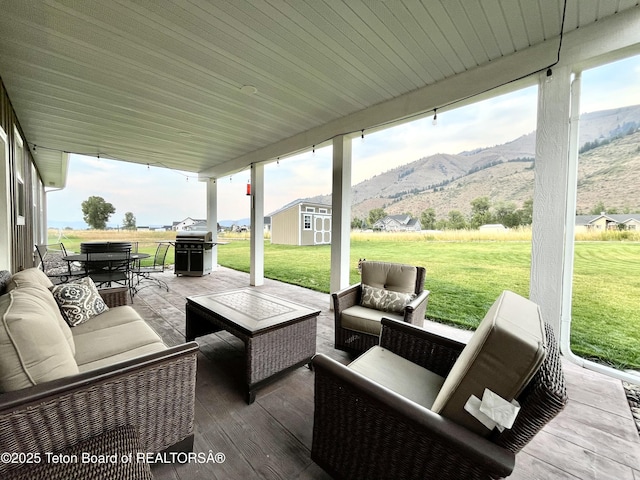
(357, 327)
(363, 430)
(121, 441)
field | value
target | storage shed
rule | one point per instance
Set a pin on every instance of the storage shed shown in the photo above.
(302, 223)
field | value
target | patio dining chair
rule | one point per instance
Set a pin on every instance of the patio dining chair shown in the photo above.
(423, 406)
(146, 273)
(109, 269)
(52, 263)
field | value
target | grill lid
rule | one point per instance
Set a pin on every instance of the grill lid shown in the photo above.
(194, 236)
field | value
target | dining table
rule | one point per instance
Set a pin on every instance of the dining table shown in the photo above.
(108, 268)
(104, 257)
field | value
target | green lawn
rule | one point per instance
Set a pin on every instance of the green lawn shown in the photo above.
(466, 277)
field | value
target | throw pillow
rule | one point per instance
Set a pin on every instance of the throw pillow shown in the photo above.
(372, 297)
(396, 301)
(384, 300)
(79, 301)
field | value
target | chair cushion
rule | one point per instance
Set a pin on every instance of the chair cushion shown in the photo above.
(390, 276)
(33, 348)
(502, 355)
(399, 375)
(365, 320)
(115, 336)
(79, 301)
(385, 300)
(29, 276)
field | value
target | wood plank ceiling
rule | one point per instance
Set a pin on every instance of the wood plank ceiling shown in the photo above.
(161, 81)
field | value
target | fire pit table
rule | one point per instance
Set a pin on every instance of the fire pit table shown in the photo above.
(279, 335)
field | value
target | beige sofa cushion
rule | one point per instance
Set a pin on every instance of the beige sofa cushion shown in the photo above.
(365, 320)
(116, 335)
(503, 354)
(29, 276)
(45, 295)
(34, 277)
(390, 276)
(33, 348)
(399, 375)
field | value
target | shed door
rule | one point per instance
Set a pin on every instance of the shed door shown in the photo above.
(322, 229)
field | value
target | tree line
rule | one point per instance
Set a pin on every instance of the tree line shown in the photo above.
(483, 212)
(96, 212)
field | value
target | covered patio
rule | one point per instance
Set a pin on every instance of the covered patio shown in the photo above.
(595, 437)
(217, 87)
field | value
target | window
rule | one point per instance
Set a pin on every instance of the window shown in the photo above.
(323, 210)
(309, 209)
(19, 167)
(38, 213)
(306, 221)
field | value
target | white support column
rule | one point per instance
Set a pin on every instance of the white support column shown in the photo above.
(341, 214)
(570, 222)
(554, 210)
(256, 272)
(212, 217)
(6, 226)
(551, 194)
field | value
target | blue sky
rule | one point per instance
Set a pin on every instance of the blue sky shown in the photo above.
(158, 196)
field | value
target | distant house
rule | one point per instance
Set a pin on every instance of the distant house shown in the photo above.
(602, 222)
(398, 223)
(190, 224)
(302, 223)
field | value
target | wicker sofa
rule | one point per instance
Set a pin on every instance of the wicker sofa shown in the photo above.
(62, 385)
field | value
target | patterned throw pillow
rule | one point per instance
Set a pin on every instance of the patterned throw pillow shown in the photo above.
(384, 300)
(396, 301)
(79, 301)
(372, 297)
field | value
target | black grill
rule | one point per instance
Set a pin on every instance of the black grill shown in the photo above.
(193, 253)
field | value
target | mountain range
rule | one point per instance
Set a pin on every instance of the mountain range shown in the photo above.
(609, 172)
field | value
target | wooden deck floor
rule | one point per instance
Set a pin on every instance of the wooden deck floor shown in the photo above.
(593, 438)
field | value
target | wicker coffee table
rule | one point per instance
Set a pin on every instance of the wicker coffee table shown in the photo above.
(279, 335)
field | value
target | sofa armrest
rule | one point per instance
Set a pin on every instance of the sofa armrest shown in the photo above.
(415, 311)
(155, 393)
(360, 429)
(419, 346)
